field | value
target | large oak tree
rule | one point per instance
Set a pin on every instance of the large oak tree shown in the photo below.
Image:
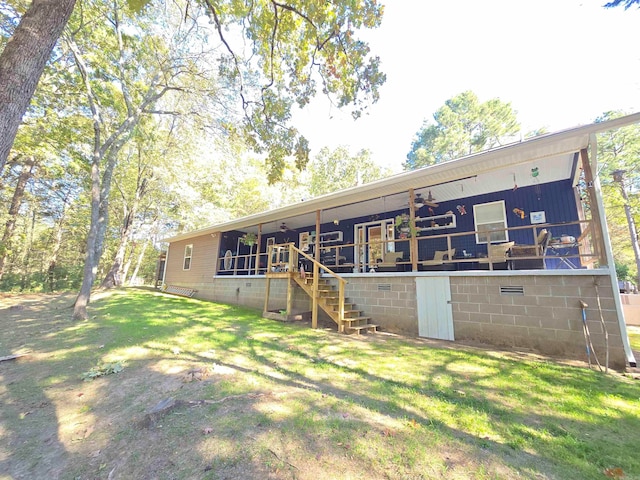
(23, 60)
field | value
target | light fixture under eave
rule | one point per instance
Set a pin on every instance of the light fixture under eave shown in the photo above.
(418, 201)
(283, 227)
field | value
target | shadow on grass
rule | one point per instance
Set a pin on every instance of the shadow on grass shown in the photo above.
(440, 393)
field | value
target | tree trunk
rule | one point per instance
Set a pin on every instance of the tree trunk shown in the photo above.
(26, 257)
(90, 263)
(117, 274)
(57, 244)
(139, 262)
(127, 265)
(23, 60)
(14, 209)
(114, 276)
(618, 177)
(633, 233)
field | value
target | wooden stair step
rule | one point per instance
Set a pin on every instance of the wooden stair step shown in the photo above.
(368, 327)
(357, 319)
(347, 305)
(328, 294)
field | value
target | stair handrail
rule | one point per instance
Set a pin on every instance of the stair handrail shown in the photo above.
(341, 281)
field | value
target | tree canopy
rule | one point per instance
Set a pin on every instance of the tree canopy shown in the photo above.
(619, 151)
(333, 170)
(463, 125)
(126, 98)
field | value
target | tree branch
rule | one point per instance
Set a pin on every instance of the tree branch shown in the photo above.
(296, 11)
(122, 79)
(229, 49)
(93, 105)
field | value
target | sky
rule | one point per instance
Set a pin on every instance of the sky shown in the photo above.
(560, 63)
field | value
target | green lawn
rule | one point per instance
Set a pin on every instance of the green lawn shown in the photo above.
(283, 401)
(634, 338)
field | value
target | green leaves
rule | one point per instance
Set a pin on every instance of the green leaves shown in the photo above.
(463, 126)
(101, 370)
(620, 150)
(292, 48)
(338, 169)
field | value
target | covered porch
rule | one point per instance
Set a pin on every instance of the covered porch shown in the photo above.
(530, 215)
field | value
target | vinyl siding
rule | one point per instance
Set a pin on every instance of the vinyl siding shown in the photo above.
(203, 261)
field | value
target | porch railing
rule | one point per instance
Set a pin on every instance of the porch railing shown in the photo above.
(583, 253)
(286, 258)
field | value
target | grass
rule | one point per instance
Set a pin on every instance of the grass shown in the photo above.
(284, 401)
(634, 338)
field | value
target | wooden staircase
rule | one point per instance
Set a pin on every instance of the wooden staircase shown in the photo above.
(324, 293)
(348, 318)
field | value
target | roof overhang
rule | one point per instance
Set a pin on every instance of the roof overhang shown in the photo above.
(492, 170)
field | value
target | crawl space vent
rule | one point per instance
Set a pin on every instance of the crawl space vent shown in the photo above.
(511, 290)
(384, 287)
(248, 284)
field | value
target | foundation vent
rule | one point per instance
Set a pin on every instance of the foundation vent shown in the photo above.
(384, 287)
(511, 290)
(248, 284)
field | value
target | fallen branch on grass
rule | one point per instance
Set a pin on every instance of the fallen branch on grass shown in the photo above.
(168, 404)
(13, 357)
(282, 460)
(275, 454)
(224, 399)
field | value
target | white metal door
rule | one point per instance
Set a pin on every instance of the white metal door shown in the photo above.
(435, 315)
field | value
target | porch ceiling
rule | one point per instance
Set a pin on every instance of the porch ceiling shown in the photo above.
(471, 182)
(494, 170)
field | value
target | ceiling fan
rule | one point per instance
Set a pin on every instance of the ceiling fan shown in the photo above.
(419, 202)
(283, 228)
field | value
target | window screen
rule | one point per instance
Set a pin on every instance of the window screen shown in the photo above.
(490, 221)
(188, 251)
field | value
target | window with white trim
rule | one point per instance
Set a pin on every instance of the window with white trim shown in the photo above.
(490, 220)
(188, 252)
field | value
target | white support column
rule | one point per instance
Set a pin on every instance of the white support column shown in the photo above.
(608, 250)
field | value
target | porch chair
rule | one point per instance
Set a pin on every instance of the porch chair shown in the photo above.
(497, 255)
(538, 250)
(439, 260)
(390, 262)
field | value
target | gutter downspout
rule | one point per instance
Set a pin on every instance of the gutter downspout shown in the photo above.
(609, 252)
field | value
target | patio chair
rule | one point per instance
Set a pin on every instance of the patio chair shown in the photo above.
(390, 262)
(538, 250)
(497, 255)
(440, 260)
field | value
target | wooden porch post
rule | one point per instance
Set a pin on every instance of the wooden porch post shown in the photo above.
(290, 282)
(267, 290)
(595, 213)
(257, 269)
(316, 274)
(413, 240)
(266, 295)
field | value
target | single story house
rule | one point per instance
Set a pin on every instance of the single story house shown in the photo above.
(507, 247)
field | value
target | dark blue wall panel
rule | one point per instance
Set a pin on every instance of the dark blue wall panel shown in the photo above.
(556, 199)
